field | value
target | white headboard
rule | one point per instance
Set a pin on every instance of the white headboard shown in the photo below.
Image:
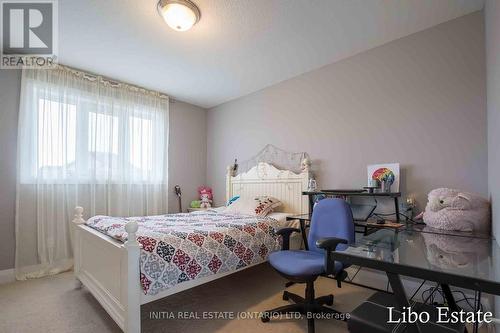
(265, 179)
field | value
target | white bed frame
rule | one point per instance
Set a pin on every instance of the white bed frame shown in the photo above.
(109, 269)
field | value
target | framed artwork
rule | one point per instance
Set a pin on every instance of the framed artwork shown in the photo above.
(388, 172)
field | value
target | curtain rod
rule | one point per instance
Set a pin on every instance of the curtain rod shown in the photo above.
(109, 81)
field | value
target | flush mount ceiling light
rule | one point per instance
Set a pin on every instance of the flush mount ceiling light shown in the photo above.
(180, 15)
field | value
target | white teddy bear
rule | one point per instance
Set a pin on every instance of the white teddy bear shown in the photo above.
(451, 209)
(205, 201)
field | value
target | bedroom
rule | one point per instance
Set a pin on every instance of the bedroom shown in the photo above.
(134, 107)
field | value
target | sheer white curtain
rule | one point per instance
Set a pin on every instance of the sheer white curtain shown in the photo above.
(83, 140)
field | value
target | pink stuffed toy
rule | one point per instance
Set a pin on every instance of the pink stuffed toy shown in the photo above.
(451, 209)
(205, 196)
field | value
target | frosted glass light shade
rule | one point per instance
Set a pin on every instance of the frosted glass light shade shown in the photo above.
(180, 15)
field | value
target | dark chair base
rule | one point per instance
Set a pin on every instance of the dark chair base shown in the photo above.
(308, 306)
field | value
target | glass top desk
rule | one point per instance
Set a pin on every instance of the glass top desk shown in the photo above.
(468, 262)
(354, 193)
(421, 227)
(305, 220)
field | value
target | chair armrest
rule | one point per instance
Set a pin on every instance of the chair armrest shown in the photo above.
(285, 233)
(329, 244)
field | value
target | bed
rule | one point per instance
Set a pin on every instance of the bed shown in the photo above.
(120, 264)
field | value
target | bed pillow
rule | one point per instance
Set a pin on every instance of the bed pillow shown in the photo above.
(259, 205)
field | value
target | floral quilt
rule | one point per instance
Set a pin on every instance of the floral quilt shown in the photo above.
(183, 247)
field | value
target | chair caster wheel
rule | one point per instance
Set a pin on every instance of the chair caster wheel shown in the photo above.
(285, 296)
(330, 301)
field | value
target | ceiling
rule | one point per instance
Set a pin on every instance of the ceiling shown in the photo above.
(239, 46)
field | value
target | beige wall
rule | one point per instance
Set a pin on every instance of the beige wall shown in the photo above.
(492, 13)
(187, 157)
(10, 81)
(187, 152)
(419, 101)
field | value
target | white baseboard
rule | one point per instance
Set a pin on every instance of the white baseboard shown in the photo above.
(7, 275)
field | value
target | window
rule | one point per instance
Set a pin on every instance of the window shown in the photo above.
(83, 141)
(103, 133)
(77, 136)
(141, 143)
(56, 133)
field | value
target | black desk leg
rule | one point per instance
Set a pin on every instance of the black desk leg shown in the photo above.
(396, 206)
(452, 304)
(311, 203)
(399, 293)
(449, 297)
(477, 305)
(303, 233)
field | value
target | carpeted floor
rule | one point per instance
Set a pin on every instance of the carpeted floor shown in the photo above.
(52, 305)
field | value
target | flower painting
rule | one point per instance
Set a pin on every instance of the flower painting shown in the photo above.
(388, 173)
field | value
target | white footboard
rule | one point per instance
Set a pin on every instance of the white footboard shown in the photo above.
(110, 271)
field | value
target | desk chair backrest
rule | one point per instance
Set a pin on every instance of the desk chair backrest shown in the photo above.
(331, 218)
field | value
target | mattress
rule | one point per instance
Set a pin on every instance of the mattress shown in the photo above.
(181, 247)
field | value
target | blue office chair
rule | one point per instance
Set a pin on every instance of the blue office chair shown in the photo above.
(332, 228)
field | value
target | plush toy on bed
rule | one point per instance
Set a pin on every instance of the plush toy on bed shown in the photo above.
(205, 196)
(195, 204)
(451, 209)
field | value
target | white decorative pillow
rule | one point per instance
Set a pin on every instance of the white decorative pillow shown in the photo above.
(259, 205)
